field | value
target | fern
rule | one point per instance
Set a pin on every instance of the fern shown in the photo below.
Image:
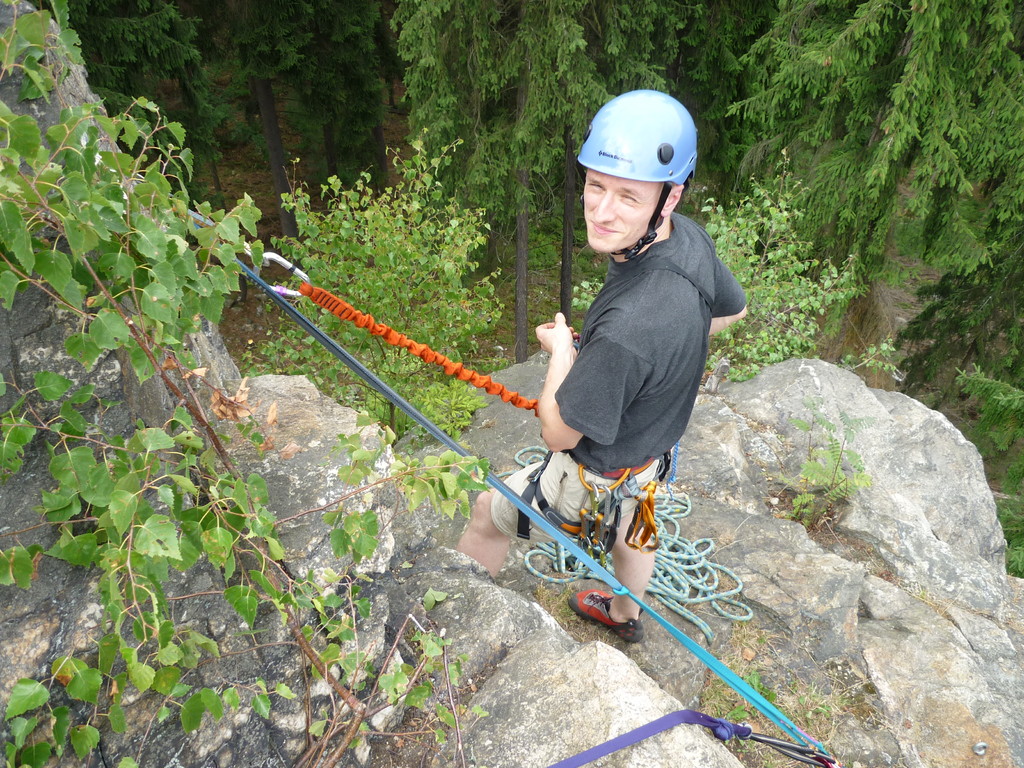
(833, 471)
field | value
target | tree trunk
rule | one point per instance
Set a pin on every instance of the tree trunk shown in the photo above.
(330, 150)
(264, 92)
(522, 226)
(568, 225)
(522, 263)
(381, 149)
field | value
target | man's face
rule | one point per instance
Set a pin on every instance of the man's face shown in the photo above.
(617, 210)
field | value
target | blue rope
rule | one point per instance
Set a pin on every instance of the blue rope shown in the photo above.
(684, 576)
(734, 681)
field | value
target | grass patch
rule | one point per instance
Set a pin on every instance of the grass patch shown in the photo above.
(750, 655)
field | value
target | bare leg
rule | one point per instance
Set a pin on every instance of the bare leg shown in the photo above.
(482, 540)
(633, 568)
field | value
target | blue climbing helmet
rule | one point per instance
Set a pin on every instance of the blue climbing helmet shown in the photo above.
(644, 136)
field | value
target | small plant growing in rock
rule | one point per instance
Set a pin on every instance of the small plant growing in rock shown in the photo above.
(833, 471)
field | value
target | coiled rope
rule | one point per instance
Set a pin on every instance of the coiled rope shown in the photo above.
(684, 575)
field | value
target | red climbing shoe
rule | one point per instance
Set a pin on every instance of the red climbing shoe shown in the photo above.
(593, 605)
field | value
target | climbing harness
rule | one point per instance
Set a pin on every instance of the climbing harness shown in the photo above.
(684, 579)
(597, 523)
(280, 297)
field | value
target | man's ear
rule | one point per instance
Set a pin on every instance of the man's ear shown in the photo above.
(674, 196)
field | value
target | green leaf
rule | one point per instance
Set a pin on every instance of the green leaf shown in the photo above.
(157, 537)
(15, 236)
(21, 729)
(244, 600)
(51, 386)
(78, 550)
(118, 724)
(82, 238)
(24, 136)
(9, 283)
(107, 329)
(230, 698)
(61, 723)
(212, 703)
(25, 695)
(36, 755)
(445, 715)
(17, 566)
(84, 739)
(148, 238)
(192, 713)
(141, 675)
(85, 685)
(157, 303)
(217, 543)
(127, 762)
(165, 680)
(54, 267)
(32, 27)
(122, 508)
(261, 704)
(284, 691)
(81, 347)
(433, 597)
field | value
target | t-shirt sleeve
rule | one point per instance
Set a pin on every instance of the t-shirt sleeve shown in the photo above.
(603, 381)
(729, 296)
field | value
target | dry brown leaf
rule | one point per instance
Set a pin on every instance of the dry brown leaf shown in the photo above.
(267, 445)
(228, 407)
(749, 654)
(200, 372)
(289, 451)
(243, 390)
(168, 363)
(272, 414)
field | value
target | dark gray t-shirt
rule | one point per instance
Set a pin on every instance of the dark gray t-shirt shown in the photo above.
(643, 349)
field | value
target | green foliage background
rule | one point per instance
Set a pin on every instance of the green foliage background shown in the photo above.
(94, 213)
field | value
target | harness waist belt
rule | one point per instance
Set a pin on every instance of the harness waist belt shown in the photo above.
(615, 474)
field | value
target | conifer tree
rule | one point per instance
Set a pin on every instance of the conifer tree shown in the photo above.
(269, 38)
(135, 48)
(898, 109)
(1001, 419)
(704, 44)
(337, 86)
(514, 80)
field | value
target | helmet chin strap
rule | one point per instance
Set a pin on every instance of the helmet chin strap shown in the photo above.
(652, 227)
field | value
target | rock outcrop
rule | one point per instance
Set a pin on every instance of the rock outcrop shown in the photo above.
(899, 612)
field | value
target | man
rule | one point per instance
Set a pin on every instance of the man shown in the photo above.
(618, 399)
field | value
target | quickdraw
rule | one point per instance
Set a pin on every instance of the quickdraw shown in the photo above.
(600, 522)
(722, 729)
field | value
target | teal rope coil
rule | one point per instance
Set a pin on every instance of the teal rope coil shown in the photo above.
(684, 575)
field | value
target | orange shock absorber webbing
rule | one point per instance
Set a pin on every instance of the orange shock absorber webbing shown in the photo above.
(345, 311)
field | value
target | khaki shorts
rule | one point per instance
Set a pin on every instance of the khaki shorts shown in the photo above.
(561, 487)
